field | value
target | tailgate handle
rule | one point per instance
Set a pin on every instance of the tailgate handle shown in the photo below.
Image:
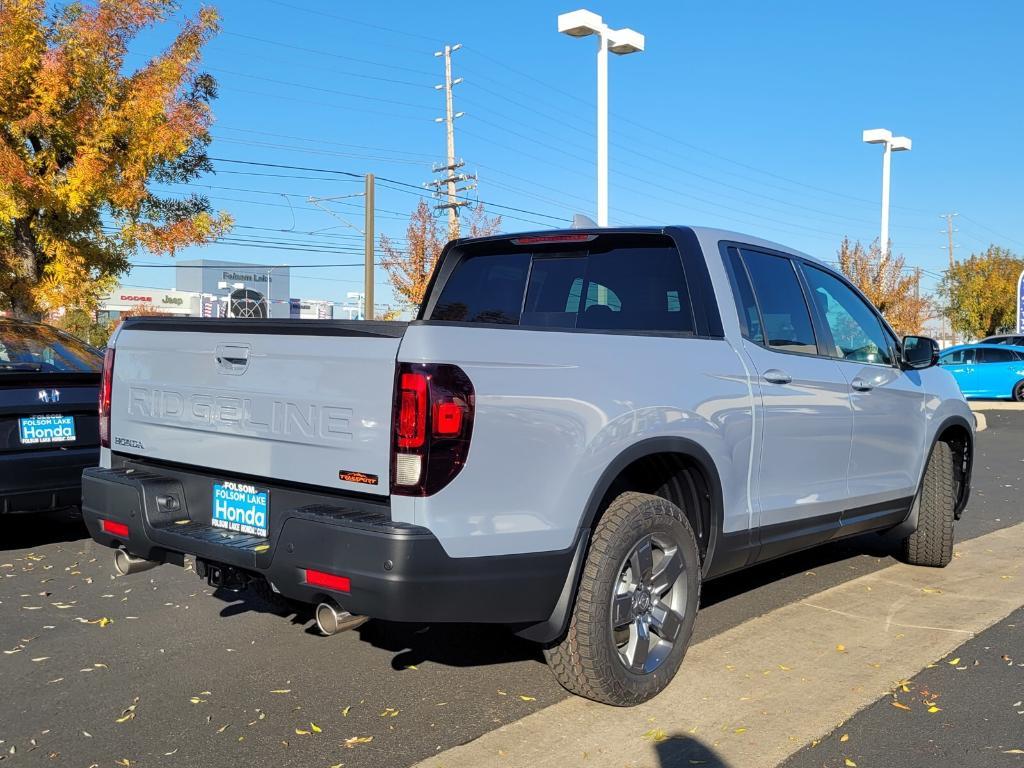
(232, 358)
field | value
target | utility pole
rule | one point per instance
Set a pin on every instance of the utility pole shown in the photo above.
(368, 249)
(917, 282)
(450, 180)
(949, 234)
(949, 231)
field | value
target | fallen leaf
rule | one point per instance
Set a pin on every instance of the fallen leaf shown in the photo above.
(223, 727)
(301, 732)
(1013, 751)
(261, 548)
(933, 709)
(954, 662)
(126, 717)
(350, 743)
(316, 728)
(528, 698)
(282, 690)
(197, 700)
(841, 648)
(740, 730)
(849, 763)
(345, 711)
(931, 590)
(845, 737)
(656, 735)
(898, 705)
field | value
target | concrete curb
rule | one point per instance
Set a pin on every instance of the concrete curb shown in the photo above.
(755, 694)
(980, 422)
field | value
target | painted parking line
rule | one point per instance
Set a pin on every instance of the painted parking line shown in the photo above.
(755, 694)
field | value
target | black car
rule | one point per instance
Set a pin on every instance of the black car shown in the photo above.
(1016, 339)
(49, 424)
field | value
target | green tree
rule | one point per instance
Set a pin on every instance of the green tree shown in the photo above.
(981, 292)
(81, 139)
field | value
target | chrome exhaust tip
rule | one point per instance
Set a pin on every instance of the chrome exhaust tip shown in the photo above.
(331, 619)
(125, 563)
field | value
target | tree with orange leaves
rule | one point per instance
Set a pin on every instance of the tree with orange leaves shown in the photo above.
(409, 269)
(80, 141)
(890, 286)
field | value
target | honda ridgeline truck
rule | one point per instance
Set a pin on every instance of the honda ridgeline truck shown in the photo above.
(579, 428)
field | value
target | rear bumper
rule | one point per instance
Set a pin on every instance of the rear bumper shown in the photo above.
(35, 481)
(397, 571)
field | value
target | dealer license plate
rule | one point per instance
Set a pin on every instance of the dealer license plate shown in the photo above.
(241, 507)
(42, 430)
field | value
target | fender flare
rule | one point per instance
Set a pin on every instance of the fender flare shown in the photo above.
(555, 626)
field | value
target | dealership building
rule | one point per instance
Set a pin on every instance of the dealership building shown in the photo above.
(213, 288)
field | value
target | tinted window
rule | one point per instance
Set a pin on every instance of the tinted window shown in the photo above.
(611, 283)
(952, 358)
(996, 355)
(484, 289)
(41, 348)
(746, 306)
(856, 330)
(787, 323)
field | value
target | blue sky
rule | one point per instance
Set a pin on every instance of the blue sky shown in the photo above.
(746, 115)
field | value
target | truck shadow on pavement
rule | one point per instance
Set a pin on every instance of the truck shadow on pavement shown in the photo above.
(869, 544)
(452, 645)
(29, 530)
(475, 645)
(681, 750)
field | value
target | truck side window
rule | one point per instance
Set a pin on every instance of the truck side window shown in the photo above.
(855, 328)
(746, 306)
(781, 300)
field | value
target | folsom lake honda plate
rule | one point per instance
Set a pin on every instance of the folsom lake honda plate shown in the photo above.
(240, 507)
(40, 430)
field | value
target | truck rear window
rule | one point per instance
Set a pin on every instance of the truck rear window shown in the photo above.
(26, 347)
(616, 282)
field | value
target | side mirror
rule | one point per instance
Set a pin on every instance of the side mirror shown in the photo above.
(919, 352)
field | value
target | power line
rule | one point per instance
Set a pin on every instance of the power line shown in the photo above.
(331, 54)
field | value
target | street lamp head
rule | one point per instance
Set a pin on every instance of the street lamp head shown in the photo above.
(900, 144)
(623, 41)
(877, 136)
(580, 23)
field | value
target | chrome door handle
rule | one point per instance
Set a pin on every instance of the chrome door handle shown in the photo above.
(862, 385)
(775, 376)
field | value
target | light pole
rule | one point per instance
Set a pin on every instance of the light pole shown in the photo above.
(892, 144)
(619, 41)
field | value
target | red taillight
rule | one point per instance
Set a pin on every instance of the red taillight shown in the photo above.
(328, 580)
(106, 384)
(114, 529)
(412, 410)
(447, 419)
(432, 427)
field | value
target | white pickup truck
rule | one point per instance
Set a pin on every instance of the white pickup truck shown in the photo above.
(578, 429)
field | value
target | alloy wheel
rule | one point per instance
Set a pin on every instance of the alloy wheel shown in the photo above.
(648, 603)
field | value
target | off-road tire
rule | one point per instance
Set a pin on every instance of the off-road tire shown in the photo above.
(586, 661)
(932, 543)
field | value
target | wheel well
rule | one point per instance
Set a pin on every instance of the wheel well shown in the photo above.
(958, 437)
(676, 477)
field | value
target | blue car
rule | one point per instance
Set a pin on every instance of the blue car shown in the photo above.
(987, 370)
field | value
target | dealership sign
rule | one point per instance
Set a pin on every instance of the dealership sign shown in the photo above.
(127, 298)
(1020, 303)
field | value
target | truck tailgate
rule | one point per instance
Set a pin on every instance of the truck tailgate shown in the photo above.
(285, 400)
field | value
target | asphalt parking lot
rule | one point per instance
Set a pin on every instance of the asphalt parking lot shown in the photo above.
(158, 669)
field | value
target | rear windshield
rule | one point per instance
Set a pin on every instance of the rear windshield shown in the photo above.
(37, 348)
(615, 282)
